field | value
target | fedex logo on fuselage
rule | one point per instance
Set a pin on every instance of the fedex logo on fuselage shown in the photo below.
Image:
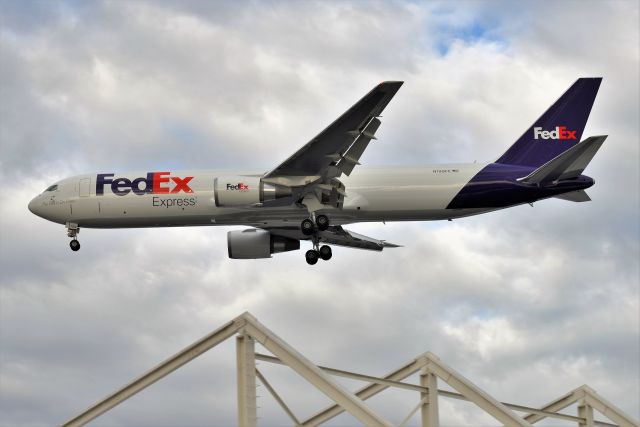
(560, 132)
(154, 183)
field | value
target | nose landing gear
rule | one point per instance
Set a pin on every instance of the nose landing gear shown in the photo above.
(72, 231)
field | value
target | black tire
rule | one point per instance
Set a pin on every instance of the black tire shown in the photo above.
(311, 256)
(307, 227)
(325, 252)
(75, 245)
(322, 221)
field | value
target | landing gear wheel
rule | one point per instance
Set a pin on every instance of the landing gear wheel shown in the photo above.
(322, 221)
(307, 227)
(75, 245)
(325, 252)
(311, 256)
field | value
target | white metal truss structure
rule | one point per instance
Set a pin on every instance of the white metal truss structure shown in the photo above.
(430, 368)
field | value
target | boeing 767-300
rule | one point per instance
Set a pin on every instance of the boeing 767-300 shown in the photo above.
(313, 193)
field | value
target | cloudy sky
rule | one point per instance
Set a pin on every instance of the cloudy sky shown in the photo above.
(528, 303)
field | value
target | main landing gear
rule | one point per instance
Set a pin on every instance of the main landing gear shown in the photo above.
(308, 227)
(312, 255)
(72, 231)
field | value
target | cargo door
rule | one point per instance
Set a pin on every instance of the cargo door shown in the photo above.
(85, 208)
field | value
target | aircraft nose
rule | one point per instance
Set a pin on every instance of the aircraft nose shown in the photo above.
(35, 207)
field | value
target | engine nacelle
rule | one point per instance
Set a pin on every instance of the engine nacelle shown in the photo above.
(246, 191)
(254, 243)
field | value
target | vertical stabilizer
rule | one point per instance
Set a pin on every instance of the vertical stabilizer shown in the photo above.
(558, 129)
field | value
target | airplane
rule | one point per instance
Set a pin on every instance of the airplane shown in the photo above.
(321, 187)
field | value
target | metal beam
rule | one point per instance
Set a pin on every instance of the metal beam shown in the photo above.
(557, 405)
(313, 374)
(487, 403)
(429, 365)
(352, 375)
(421, 389)
(171, 364)
(429, 407)
(585, 411)
(366, 392)
(607, 408)
(556, 415)
(413, 411)
(246, 381)
(442, 393)
(278, 399)
(583, 392)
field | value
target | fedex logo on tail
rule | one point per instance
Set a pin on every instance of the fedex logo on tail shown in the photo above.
(560, 132)
(154, 182)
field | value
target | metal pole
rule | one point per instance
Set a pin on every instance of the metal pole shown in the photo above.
(429, 409)
(585, 411)
(246, 364)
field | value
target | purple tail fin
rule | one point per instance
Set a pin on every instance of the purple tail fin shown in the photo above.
(558, 129)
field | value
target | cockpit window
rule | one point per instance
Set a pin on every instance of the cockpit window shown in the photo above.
(52, 188)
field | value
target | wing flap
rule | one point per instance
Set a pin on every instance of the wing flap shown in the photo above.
(337, 235)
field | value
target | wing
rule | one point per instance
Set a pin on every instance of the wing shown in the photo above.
(336, 149)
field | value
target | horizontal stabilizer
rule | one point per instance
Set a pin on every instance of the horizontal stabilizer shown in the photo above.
(575, 196)
(569, 164)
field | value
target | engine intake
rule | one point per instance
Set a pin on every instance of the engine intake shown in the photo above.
(246, 191)
(254, 243)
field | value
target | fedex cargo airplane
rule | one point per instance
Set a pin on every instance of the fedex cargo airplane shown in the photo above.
(321, 187)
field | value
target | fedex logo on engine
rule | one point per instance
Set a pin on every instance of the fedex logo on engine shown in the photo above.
(154, 182)
(239, 186)
(560, 132)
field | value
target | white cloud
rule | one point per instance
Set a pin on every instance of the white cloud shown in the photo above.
(486, 336)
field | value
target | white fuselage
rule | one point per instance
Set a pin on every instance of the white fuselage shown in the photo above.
(372, 194)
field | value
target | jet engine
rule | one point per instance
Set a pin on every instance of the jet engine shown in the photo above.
(254, 243)
(246, 191)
